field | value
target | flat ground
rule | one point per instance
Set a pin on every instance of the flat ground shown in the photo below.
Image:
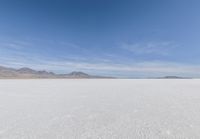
(100, 109)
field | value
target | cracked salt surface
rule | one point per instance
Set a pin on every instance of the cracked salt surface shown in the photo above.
(100, 109)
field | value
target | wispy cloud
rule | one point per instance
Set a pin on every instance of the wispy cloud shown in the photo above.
(13, 45)
(159, 48)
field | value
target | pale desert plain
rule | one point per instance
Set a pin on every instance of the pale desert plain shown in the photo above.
(100, 109)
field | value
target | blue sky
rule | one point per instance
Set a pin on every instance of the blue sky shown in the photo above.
(125, 38)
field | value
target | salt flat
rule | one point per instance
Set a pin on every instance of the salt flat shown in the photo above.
(100, 109)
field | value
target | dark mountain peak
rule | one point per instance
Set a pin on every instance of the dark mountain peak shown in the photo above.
(172, 77)
(78, 73)
(26, 70)
(45, 72)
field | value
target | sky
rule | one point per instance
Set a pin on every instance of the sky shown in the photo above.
(122, 38)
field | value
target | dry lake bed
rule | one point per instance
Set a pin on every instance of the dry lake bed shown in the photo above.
(100, 109)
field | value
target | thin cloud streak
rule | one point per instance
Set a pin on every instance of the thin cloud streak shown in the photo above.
(159, 48)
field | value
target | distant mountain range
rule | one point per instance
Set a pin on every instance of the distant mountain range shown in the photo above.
(173, 77)
(26, 73)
